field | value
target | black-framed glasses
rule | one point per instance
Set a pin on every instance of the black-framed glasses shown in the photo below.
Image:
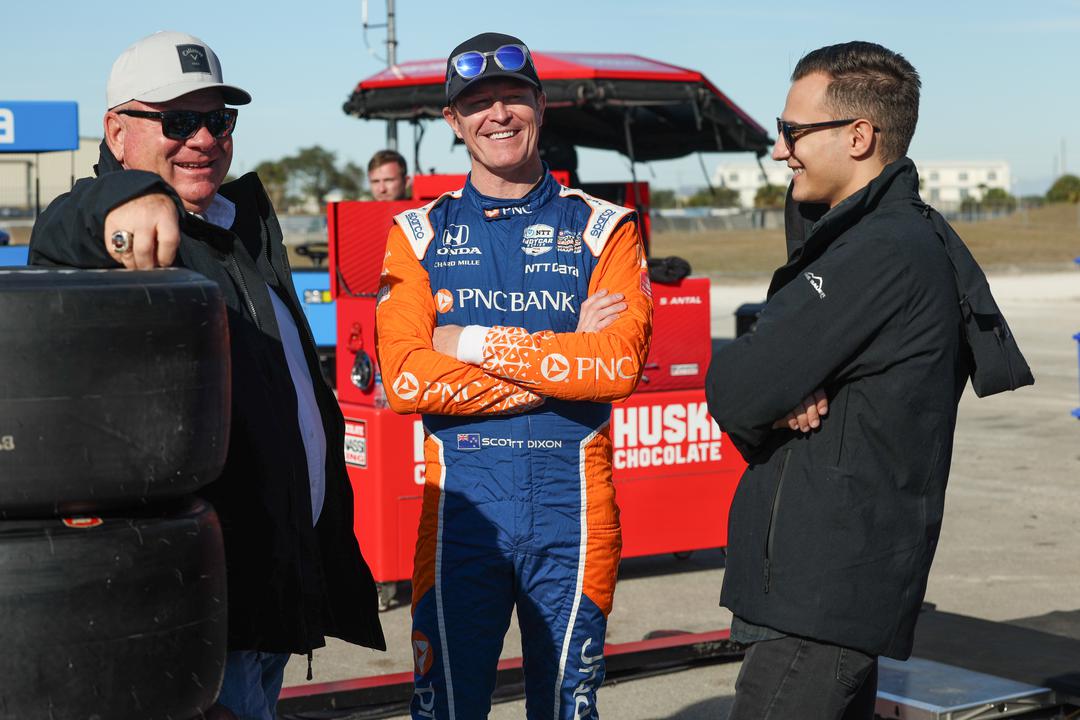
(793, 131)
(471, 64)
(182, 124)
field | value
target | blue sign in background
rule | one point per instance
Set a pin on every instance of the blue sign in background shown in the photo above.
(28, 126)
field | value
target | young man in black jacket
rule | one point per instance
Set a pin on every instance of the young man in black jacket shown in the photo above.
(834, 525)
(295, 573)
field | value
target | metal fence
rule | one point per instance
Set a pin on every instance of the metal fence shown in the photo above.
(711, 219)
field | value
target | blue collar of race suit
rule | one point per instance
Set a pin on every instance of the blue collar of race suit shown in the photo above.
(546, 190)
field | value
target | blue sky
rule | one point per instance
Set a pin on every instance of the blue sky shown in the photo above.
(999, 78)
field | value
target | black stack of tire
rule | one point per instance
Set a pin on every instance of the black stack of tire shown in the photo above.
(114, 408)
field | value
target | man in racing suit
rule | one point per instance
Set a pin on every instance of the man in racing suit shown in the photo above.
(512, 313)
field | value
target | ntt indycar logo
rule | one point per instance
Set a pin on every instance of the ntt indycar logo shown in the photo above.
(503, 301)
(665, 435)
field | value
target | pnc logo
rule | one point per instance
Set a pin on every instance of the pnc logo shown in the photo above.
(555, 367)
(423, 654)
(406, 386)
(444, 301)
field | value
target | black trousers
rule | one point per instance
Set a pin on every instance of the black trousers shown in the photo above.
(793, 678)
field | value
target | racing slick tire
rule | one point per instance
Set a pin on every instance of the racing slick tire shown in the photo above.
(114, 388)
(119, 617)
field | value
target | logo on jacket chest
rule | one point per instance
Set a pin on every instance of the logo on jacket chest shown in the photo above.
(455, 241)
(510, 301)
(455, 250)
(538, 239)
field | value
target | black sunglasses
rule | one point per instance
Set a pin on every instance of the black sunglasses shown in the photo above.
(793, 131)
(182, 124)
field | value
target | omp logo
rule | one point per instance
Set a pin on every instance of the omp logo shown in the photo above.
(585, 692)
(598, 226)
(455, 235)
(444, 301)
(7, 443)
(815, 282)
(423, 654)
(560, 301)
(415, 225)
(406, 386)
(555, 367)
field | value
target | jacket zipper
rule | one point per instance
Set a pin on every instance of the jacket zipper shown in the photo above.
(244, 291)
(772, 518)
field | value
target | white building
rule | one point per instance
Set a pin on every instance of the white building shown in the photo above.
(22, 174)
(746, 177)
(946, 184)
(951, 183)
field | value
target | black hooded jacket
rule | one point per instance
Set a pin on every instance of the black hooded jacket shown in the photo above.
(289, 584)
(832, 533)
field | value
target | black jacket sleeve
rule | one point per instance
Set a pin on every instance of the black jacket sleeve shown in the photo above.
(71, 231)
(806, 337)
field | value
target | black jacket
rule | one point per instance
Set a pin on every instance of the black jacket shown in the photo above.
(289, 584)
(832, 533)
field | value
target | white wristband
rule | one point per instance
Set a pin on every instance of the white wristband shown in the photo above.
(470, 347)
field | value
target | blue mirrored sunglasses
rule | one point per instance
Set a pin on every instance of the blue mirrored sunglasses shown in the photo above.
(471, 64)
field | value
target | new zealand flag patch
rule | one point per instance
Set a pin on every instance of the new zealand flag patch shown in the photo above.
(193, 58)
(468, 441)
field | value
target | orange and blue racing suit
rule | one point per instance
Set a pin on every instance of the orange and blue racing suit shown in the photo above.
(519, 507)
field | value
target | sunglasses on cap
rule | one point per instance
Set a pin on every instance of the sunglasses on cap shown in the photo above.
(793, 131)
(471, 64)
(182, 124)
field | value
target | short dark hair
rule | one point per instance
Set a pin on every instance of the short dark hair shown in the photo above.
(872, 82)
(387, 156)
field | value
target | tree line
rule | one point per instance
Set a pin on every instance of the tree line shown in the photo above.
(308, 177)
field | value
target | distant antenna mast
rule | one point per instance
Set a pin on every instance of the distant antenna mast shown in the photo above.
(391, 55)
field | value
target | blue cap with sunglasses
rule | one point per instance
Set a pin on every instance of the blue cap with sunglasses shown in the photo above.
(486, 56)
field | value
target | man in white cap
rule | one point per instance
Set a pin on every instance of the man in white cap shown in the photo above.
(295, 574)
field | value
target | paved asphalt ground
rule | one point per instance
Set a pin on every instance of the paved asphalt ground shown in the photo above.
(1010, 546)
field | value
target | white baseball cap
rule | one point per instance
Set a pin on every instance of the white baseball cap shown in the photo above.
(164, 66)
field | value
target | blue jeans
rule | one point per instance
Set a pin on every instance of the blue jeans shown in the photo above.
(252, 683)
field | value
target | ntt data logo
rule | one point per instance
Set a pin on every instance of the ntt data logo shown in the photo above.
(555, 367)
(406, 386)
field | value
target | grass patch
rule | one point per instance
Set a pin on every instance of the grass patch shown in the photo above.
(1044, 238)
